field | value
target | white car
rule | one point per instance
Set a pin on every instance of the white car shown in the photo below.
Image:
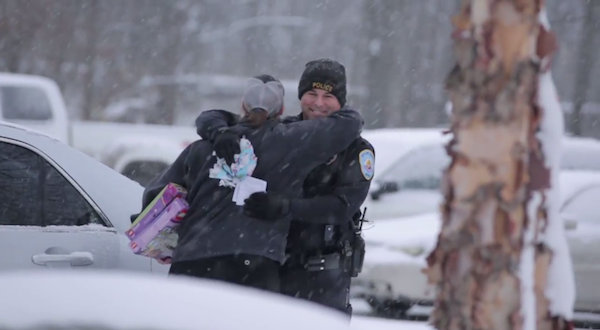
(411, 184)
(116, 300)
(391, 143)
(60, 208)
(392, 279)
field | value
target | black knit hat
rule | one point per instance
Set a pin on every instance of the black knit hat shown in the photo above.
(325, 74)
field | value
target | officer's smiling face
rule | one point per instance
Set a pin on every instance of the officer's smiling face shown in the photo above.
(318, 103)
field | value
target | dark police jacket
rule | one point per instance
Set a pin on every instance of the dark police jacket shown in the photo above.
(214, 225)
(332, 195)
(332, 192)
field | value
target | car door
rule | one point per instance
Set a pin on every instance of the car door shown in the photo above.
(45, 221)
(583, 235)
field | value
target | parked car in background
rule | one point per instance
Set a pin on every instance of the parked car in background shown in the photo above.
(112, 300)
(392, 280)
(139, 151)
(63, 209)
(410, 185)
(392, 143)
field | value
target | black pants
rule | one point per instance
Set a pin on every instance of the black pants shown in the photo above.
(328, 287)
(248, 270)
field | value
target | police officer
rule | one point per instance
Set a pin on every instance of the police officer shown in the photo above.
(216, 239)
(324, 248)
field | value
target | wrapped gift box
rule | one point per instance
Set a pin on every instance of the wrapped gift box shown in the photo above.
(158, 204)
(154, 232)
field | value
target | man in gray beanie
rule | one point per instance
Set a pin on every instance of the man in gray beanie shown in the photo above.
(324, 247)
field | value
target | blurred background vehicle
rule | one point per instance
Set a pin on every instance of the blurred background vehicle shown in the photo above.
(62, 208)
(392, 280)
(116, 300)
(140, 151)
(391, 143)
(410, 184)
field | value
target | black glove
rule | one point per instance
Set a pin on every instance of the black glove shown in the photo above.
(266, 206)
(227, 144)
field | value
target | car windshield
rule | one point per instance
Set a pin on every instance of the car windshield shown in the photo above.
(583, 205)
(418, 169)
(21, 103)
(421, 168)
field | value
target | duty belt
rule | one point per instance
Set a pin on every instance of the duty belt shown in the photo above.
(323, 262)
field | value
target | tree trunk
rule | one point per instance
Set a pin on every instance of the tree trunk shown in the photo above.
(491, 263)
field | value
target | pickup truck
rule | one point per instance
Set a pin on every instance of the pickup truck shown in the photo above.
(139, 151)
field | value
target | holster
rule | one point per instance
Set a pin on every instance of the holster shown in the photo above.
(350, 255)
(324, 262)
(358, 255)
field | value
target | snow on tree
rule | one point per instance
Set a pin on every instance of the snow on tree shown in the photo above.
(501, 261)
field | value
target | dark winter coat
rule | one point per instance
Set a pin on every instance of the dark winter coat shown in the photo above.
(286, 153)
(332, 193)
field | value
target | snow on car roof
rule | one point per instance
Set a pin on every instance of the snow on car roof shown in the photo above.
(18, 78)
(113, 300)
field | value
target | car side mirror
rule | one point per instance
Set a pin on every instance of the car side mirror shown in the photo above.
(384, 188)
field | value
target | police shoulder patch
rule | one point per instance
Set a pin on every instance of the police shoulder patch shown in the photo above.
(366, 159)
